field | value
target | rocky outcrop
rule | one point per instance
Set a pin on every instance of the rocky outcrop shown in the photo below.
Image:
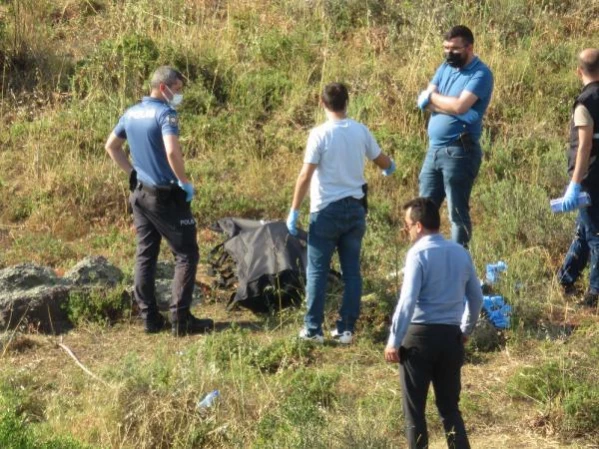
(33, 297)
(95, 271)
(26, 276)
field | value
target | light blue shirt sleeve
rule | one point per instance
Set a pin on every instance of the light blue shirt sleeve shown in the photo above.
(372, 147)
(119, 129)
(474, 302)
(169, 122)
(410, 291)
(481, 84)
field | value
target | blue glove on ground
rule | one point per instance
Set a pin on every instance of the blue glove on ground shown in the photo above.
(188, 188)
(570, 201)
(292, 221)
(389, 171)
(424, 99)
(468, 117)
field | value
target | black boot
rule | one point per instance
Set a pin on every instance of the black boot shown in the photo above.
(590, 299)
(189, 324)
(153, 323)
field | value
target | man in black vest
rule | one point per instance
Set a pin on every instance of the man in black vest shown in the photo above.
(583, 167)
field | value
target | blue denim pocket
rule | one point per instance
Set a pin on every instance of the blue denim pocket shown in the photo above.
(456, 152)
(323, 224)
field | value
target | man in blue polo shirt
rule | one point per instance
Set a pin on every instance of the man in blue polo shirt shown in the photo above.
(161, 197)
(458, 96)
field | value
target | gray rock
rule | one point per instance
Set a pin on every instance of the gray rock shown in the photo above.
(165, 270)
(41, 308)
(93, 271)
(25, 276)
(164, 294)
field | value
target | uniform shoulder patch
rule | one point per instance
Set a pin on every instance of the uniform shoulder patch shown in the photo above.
(173, 120)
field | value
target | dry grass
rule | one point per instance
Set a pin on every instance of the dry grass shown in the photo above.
(133, 410)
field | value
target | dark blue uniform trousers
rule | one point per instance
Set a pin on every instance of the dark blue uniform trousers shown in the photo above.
(157, 214)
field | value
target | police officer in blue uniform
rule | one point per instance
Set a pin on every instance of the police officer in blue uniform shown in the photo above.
(160, 197)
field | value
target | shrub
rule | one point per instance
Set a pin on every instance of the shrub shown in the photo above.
(282, 354)
(121, 65)
(564, 387)
(17, 430)
(98, 305)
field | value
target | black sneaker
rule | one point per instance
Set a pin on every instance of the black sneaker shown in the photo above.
(191, 325)
(154, 323)
(590, 299)
(570, 290)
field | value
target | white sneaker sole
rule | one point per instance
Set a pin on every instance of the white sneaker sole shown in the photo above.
(345, 338)
(314, 338)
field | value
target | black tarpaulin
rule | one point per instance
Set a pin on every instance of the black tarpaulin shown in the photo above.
(270, 264)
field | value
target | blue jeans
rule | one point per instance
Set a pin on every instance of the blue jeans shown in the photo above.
(340, 225)
(450, 171)
(585, 244)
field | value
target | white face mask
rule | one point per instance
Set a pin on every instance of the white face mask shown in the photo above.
(176, 100)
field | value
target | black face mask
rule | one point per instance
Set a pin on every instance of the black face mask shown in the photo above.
(455, 59)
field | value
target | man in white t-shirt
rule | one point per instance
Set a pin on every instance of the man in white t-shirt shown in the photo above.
(583, 168)
(334, 171)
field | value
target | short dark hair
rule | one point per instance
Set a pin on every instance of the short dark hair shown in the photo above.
(460, 31)
(335, 97)
(167, 75)
(588, 61)
(425, 211)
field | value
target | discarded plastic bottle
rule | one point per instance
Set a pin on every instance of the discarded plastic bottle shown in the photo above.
(493, 270)
(584, 200)
(209, 399)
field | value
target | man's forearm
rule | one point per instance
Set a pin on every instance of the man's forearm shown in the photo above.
(582, 163)
(301, 188)
(175, 160)
(120, 158)
(446, 105)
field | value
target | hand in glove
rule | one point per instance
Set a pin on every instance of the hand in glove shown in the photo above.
(570, 201)
(292, 221)
(390, 170)
(188, 189)
(424, 99)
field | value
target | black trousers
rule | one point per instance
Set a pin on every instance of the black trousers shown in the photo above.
(432, 354)
(156, 215)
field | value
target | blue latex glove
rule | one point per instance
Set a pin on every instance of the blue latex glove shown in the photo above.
(424, 99)
(292, 221)
(469, 117)
(188, 188)
(570, 201)
(389, 171)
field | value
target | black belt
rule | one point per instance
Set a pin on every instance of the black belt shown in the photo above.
(156, 190)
